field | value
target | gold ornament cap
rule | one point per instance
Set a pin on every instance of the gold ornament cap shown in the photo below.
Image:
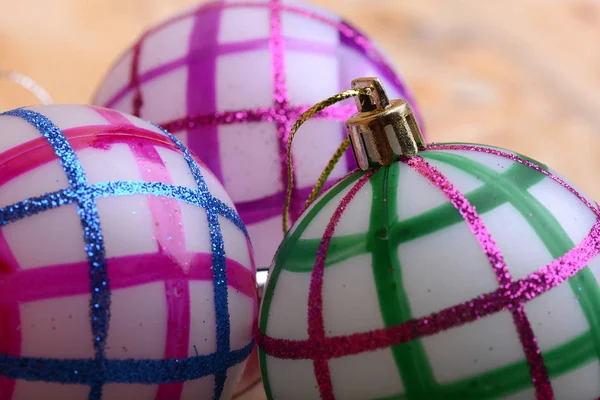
(383, 130)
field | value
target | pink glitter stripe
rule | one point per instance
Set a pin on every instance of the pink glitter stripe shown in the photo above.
(10, 319)
(169, 235)
(280, 97)
(539, 373)
(338, 113)
(513, 157)
(316, 324)
(72, 279)
(521, 291)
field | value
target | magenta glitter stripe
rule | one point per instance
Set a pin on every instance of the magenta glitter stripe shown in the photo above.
(10, 318)
(521, 291)
(539, 373)
(316, 324)
(201, 89)
(280, 98)
(513, 157)
(338, 113)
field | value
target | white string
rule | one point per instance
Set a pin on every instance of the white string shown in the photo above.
(27, 83)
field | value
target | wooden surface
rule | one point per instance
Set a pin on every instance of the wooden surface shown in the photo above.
(524, 75)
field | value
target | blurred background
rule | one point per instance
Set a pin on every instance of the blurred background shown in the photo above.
(520, 75)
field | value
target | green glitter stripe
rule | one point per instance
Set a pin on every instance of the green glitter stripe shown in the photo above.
(411, 360)
(550, 232)
(341, 248)
(280, 258)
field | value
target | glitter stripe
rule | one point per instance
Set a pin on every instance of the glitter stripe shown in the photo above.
(99, 281)
(143, 371)
(548, 229)
(61, 280)
(336, 113)
(219, 272)
(32, 206)
(539, 373)
(169, 235)
(523, 290)
(293, 236)
(316, 327)
(521, 160)
(281, 99)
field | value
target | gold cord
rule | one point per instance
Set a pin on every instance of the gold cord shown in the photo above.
(330, 166)
(303, 118)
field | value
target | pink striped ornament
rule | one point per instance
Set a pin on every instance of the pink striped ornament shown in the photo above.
(158, 253)
(229, 78)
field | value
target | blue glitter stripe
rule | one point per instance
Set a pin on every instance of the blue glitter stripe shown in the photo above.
(49, 201)
(74, 371)
(36, 205)
(92, 234)
(219, 269)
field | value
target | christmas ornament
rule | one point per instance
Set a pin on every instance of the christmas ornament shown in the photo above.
(228, 78)
(125, 272)
(447, 271)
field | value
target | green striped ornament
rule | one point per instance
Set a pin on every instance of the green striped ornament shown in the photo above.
(469, 272)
